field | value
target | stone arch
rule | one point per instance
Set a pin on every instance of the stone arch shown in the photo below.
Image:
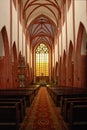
(56, 72)
(70, 64)
(14, 66)
(5, 69)
(5, 41)
(60, 71)
(2, 50)
(64, 69)
(80, 57)
(14, 52)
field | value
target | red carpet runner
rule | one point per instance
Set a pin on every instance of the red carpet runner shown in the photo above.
(43, 114)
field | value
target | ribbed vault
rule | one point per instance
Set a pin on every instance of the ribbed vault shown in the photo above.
(41, 19)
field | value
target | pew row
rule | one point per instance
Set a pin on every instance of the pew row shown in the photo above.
(56, 93)
(20, 104)
(77, 117)
(63, 97)
(28, 92)
(9, 116)
(67, 103)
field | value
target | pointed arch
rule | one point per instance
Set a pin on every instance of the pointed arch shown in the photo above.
(56, 73)
(40, 63)
(64, 57)
(14, 66)
(70, 64)
(5, 68)
(56, 68)
(80, 57)
(60, 71)
(71, 54)
(2, 50)
(5, 40)
(64, 69)
(14, 51)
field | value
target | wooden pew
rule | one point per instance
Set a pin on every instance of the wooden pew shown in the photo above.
(57, 93)
(34, 88)
(67, 103)
(65, 98)
(28, 92)
(9, 116)
(77, 117)
(20, 104)
(28, 95)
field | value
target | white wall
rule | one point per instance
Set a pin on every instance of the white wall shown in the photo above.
(60, 44)
(14, 26)
(63, 37)
(24, 53)
(80, 14)
(5, 16)
(56, 50)
(69, 26)
(80, 10)
(28, 53)
(20, 37)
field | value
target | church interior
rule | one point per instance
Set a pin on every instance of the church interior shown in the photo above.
(43, 64)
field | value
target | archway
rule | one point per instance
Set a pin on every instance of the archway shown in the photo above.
(60, 72)
(64, 69)
(5, 68)
(81, 57)
(14, 66)
(70, 65)
(2, 57)
(56, 73)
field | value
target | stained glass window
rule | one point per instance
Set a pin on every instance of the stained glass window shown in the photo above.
(42, 60)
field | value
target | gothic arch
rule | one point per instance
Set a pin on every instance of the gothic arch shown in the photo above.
(14, 52)
(5, 69)
(2, 50)
(14, 66)
(60, 71)
(5, 40)
(70, 64)
(79, 38)
(81, 56)
(56, 68)
(56, 72)
(64, 69)
(64, 57)
(34, 61)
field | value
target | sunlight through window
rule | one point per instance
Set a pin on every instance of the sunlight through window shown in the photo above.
(42, 60)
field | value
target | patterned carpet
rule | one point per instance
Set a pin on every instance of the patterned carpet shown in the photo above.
(43, 114)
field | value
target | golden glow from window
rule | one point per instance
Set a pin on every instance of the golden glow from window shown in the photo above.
(42, 60)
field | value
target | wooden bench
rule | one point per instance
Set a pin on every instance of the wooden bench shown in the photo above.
(57, 93)
(9, 116)
(77, 117)
(20, 103)
(65, 98)
(67, 103)
(29, 96)
(34, 88)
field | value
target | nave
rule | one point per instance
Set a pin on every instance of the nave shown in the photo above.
(43, 114)
(43, 42)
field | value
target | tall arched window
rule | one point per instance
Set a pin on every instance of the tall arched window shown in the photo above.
(42, 60)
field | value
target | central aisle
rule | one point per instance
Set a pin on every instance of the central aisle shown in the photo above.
(43, 114)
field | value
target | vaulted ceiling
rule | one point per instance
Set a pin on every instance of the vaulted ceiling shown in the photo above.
(41, 19)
